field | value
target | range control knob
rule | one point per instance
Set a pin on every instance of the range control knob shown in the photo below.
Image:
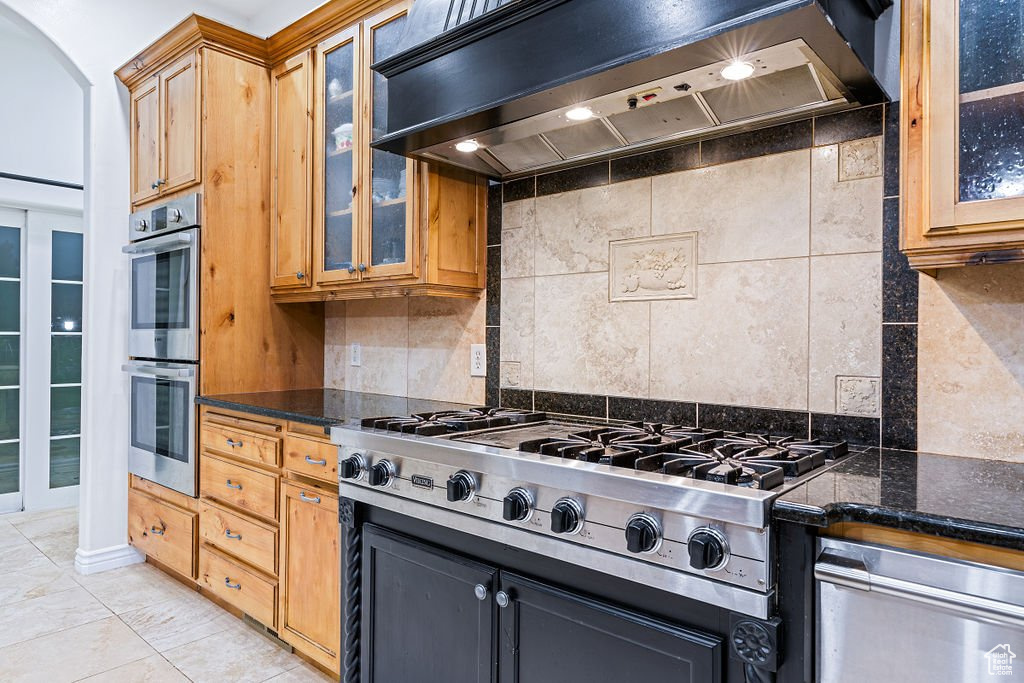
(707, 548)
(352, 467)
(517, 505)
(175, 215)
(381, 474)
(643, 534)
(461, 486)
(566, 516)
(142, 225)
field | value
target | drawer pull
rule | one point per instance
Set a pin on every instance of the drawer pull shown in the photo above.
(236, 586)
(233, 486)
(237, 537)
(308, 499)
(235, 444)
(155, 531)
(311, 461)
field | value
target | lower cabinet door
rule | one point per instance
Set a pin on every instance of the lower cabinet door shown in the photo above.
(310, 614)
(547, 634)
(427, 615)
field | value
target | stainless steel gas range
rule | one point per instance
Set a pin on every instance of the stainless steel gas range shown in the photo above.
(681, 509)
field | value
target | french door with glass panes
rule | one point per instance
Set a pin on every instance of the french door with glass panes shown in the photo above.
(40, 358)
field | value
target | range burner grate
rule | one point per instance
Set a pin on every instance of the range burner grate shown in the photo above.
(451, 421)
(759, 461)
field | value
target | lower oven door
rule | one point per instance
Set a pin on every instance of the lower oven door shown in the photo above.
(164, 289)
(895, 615)
(163, 418)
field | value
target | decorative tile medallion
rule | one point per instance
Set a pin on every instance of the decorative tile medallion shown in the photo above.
(858, 395)
(511, 374)
(860, 159)
(648, 268)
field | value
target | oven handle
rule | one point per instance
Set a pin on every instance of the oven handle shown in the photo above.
(172, 373)
(158, 244)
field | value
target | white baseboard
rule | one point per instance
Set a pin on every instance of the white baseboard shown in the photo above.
(105, 559)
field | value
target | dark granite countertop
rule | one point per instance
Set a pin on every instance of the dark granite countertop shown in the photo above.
(964, 498)
(323, 407)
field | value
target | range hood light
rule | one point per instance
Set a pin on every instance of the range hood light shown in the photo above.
(467, 146)
(737, 71)
(579, 114)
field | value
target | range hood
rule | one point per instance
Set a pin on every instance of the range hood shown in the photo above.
(513, 87)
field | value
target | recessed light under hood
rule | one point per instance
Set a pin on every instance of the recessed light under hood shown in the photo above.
(685, 94)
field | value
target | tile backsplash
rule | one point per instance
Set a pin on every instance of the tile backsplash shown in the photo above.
(785, 306)
(417, 347)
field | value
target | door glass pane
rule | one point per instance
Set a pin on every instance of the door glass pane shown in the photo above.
(991, 56)
(65, 455)
(388, 171)
(9, 415)
(66, 308)
(65, 411)
(65, 359)
(9, 467)
(160, 290)
(339, 164)
(10, 306)
(9, 366)
(10, 252)
(160, 416)
(67, 256)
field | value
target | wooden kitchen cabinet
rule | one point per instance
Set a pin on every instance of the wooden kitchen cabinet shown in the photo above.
(165, 130)
(961, 115)
(380, 224)
(162, 524)
(310, 619)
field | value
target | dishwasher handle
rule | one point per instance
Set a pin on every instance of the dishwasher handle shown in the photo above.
(841, 570)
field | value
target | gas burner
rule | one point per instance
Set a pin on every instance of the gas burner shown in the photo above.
(449, 421)
(619, 446)
(784, 444)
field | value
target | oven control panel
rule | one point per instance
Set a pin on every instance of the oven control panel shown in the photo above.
(176, 214)
(728, 553)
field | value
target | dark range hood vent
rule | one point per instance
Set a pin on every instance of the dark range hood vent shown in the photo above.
(526, 85)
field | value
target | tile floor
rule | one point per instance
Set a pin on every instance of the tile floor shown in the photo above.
(127, 625)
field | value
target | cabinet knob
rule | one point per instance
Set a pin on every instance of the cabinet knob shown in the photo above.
(351, 269)
(362, 267)
(300, 275)
(502, 598)
(480, 591)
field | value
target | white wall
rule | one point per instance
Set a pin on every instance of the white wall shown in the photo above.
(95, 38)
(41, 116)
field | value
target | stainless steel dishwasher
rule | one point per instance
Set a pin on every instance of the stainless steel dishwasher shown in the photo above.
(887, 615)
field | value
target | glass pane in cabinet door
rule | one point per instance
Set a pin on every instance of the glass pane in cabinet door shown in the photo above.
(388, 171)
(991, 117)
(339, 157)
(388, 241)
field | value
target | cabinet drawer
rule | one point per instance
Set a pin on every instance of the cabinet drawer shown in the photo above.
(239, 444)
(162, 531)
(244, 538)
(312, 458)
(242, 487)
(244, 588)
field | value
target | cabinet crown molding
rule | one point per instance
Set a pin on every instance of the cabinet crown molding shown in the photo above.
(192, 32)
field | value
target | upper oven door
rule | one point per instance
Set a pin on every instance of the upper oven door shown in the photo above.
(163, 418)
(164, 315)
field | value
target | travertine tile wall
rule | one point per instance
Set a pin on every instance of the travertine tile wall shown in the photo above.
(417, 347)
(788, 294)
(971, 362)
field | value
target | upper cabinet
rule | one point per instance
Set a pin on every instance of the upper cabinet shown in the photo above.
(377, 224)
(962, 123)
(165, 124)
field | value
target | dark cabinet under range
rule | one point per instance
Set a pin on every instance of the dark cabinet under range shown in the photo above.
(434, 616)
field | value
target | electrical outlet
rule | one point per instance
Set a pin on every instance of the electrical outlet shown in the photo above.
(357, 355)
(477, 360)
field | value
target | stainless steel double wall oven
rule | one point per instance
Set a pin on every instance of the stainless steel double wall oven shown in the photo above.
(163, 342)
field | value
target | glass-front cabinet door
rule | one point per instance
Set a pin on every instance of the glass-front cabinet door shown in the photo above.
(389, 243)
(976, 76)
(338, 158)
